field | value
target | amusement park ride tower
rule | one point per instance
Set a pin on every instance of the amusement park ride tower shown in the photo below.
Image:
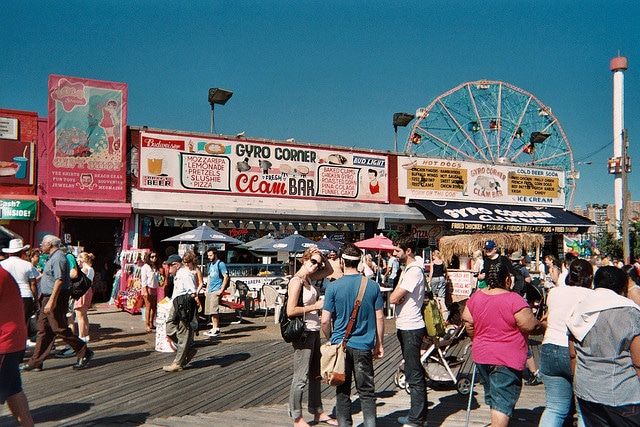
(620, 163)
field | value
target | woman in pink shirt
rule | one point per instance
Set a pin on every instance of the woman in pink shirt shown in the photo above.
(499, 322)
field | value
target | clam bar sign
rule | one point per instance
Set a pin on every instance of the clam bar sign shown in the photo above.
(260, 168)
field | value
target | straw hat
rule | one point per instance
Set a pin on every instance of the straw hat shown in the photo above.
(516, 256)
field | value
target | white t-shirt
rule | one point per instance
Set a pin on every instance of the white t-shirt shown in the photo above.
(89, 272)
(409, 313)
(560, 302)
(184, 282)
(21, 271)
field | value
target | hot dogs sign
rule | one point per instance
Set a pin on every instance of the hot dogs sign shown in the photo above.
(172, 162)
(445, 179)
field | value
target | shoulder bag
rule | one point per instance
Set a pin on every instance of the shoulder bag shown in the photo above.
(332, 360)
(292, 328)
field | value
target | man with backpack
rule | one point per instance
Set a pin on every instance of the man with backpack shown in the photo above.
(218, 282)
(408, 297)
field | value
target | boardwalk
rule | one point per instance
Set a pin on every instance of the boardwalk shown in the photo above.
(238, 379)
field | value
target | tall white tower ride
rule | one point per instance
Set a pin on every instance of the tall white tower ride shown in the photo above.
(618, 65)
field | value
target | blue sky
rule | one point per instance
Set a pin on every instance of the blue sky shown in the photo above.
(333, 72)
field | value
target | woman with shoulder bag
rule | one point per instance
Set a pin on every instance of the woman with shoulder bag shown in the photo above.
(306, 356)
(81, 306)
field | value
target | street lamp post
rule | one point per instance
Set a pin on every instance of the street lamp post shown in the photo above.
(400, 119)
(217, 96)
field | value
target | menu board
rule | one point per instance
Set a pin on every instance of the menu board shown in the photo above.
(445, 179)
(245, 167)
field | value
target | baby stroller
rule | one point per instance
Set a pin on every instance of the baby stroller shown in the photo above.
(536, 296)
(438, 363)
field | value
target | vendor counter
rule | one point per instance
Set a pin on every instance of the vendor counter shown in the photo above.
(256, 275)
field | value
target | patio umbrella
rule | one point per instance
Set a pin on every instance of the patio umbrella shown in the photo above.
(203, 234)
(325, 241)
(262, 241)
(6, 235)
(376, 243)
(294, 243)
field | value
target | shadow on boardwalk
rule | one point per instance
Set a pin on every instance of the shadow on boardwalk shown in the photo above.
(240, 378)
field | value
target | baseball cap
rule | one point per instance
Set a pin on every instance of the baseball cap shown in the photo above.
(173, 258)
(489, 244)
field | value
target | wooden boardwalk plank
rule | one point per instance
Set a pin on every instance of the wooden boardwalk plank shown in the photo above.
(241, 378)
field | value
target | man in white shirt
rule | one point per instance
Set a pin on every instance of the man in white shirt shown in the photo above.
(394, 268)
(179, 329)
(408, 297)
(23, 273)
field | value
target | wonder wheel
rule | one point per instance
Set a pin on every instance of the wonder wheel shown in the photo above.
(493, 122)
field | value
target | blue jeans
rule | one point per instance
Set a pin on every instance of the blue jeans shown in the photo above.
(439, 286)
(558, 378)
(306, 372)
(358, 365)
(596, 414)
(410, 343)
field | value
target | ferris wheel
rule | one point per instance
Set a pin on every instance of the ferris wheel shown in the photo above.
(493, 122)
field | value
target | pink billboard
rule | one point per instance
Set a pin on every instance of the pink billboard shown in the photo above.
(86, 153)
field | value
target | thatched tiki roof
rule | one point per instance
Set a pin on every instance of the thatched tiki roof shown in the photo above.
(466, 244)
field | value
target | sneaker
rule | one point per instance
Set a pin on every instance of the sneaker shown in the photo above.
(533, 380)
(83, 361)
(190, 354)
(174, 367)
(405, 422)
(65, 352)
(212, 333)
(24, 367)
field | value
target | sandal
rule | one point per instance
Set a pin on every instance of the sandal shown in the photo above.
(327, 422)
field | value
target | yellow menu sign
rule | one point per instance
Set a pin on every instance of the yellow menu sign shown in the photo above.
(533, 185)
(436, 178)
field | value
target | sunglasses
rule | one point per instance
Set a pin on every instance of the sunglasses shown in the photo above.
(315, 261)
(153, 256)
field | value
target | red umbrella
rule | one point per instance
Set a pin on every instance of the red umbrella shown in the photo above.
(376, 243)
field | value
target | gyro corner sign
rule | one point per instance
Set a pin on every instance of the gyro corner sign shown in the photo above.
(244, 167)
(445, 179)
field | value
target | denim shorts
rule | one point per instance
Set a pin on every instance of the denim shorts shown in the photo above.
(502, 387)
(10, 381)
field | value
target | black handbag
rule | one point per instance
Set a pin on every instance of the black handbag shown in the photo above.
(292, 328)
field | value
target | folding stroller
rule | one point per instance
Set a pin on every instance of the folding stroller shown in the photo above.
(439, 364)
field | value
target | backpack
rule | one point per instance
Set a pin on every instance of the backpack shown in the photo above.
(80, 285)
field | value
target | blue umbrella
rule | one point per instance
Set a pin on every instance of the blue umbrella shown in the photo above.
(262, 241)
(332, 244)
(203, 234)
(294, 243)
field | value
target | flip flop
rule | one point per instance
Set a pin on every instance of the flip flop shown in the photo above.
(327, 422)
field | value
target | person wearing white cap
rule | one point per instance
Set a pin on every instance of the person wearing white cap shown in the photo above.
(24, 274)
(179, 325)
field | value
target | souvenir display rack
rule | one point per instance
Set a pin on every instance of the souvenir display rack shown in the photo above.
(130, 295)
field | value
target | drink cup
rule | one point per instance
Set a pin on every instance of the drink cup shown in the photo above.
(154, 166)
(21, 173)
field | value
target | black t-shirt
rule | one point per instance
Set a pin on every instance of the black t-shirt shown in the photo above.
(498, 263)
